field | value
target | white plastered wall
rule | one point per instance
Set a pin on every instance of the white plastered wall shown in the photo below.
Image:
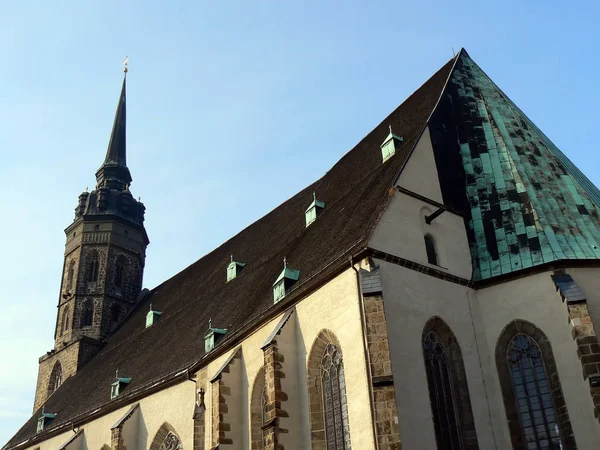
(334, 307)
(420, 173)
(402, 228)
(411, 298)
(534, 298)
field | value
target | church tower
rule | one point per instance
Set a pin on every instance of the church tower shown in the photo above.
(103, 266)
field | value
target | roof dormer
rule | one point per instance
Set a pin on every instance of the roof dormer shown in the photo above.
(152, 317)
(390, 145)
(117, 386)
(213, 336)
(286, 279)
(234, 268)
(314, 210)
(44, 420)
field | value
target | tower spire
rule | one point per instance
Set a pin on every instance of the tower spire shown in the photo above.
(114, 171)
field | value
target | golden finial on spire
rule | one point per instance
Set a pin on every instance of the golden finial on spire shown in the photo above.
(125, 63)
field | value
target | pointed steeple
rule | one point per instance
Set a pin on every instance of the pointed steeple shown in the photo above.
(114, 172)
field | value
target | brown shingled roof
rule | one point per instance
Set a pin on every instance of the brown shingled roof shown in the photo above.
(355, 191)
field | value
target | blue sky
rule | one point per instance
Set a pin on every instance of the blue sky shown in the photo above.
(232, 108)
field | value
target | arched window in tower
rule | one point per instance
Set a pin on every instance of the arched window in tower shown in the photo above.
(115, 315)
(119, 272)
(448, 390)
(432, 257)
(65, 321)
(55, 378)
(93, 267)
(70, 276)
(88, 313)
(531, 390)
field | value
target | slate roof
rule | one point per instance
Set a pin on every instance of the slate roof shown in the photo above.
(355, 191)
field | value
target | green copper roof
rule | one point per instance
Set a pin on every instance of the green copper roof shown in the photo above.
(290, 274)
(526, 203)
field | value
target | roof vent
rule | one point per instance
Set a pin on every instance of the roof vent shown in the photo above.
(44, 420)
(390, 145)
(286, 279)
(152, 317)
(233, 269)
(213, 336)
(118, 385)
(314, 210)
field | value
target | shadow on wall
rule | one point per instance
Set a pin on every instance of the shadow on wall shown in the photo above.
(303, 375)
(142, 437)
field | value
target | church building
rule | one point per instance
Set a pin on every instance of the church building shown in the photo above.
(437, 289)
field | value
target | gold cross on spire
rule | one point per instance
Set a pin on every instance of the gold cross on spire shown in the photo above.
(125, 63)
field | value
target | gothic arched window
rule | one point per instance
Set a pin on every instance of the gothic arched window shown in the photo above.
(171, 442)
(93, 267)
(70, 275)
(258, 411)
(334, 398)
(431, 251)
(531, 390)
(88, 313)
(327, 393)
(166, 439)
(55, 378)
(119, 272)
(448, 391)
(65, 321)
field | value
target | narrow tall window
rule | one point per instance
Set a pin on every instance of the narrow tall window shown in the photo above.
(259, 411)
(119, 271)
(441, 393)
(88, 313)
(329, 425)
(93, 267)
(65, 321)
(70, 276)
(534, 400)
(55, 378)
(451, 410)
(334, 398)
(115, 315)
(430, 249)
(531, 390)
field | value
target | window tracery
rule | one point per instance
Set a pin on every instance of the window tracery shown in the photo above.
(441, 393)
(334, 399)
(533, 396)
(171, 442)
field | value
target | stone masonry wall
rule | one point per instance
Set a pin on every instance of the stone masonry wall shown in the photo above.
(386, 412)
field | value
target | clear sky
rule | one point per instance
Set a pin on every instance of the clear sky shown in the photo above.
(233, 107)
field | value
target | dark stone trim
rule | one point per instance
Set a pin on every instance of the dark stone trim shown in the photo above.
(514, 425)
(378, 254)
(430, 201)
(219, 372)
(460, 386)
(386, 380)
(278, 328)
(127, 415)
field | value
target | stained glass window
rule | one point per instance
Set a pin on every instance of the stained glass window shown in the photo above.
(533, 396)
(334, 400)
(441, 393)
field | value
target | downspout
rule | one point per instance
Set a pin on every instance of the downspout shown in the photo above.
(366, 350)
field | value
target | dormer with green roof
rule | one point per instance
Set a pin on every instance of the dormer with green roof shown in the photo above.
(390, 144)
(286, 279)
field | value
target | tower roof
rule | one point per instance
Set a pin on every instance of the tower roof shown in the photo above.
(114, 169)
